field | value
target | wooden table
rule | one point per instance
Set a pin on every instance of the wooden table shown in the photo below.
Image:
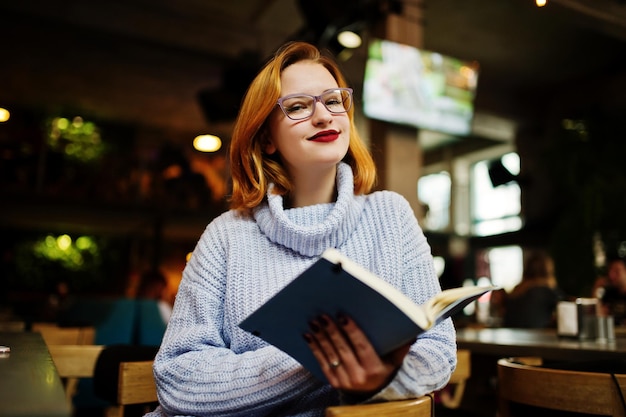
(544, 343)
(29, 383)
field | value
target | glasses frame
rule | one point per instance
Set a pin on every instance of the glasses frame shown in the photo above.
(317, 99)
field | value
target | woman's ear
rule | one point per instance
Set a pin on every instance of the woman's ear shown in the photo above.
(270, 149)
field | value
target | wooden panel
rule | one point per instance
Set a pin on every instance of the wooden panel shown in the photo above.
(452, 397)
(55, 335)
(463, 367)
(75, 361)
(583, 392)
(136, 383)
(418, 407)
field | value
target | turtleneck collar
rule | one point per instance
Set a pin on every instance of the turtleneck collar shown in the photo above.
(312, 229)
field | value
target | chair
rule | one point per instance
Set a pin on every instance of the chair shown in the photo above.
(74, 362)
(457, 380)
(417, 407)
(57, 335)
(123, 376)
(73, 352)
(555, 389)
(136, 385)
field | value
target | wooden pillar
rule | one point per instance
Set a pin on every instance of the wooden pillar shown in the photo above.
(396, 150)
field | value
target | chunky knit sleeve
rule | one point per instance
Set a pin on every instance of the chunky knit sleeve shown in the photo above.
(199, 370)
(432, 357)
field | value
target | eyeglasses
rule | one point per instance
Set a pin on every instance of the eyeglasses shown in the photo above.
(302, 106)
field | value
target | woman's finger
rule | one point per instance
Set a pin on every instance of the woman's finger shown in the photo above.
(361, 347)
(324, 351)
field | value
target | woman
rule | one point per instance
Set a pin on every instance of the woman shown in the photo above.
(300, 176)
(532, 303)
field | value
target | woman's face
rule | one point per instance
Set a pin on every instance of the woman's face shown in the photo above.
(320, 141)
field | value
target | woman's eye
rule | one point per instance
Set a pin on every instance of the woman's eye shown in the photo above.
(296, 108)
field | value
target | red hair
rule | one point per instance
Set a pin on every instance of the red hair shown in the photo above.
(251, 170)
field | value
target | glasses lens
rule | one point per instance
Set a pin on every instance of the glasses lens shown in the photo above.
(337, 101)
(298, 107)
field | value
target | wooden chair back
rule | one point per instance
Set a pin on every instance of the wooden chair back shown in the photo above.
(564, 390)
(136, 385)
(416, 407)
(54, 335)
(453, 394)
(74, 362)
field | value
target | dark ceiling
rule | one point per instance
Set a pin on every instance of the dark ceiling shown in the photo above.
(147, 62)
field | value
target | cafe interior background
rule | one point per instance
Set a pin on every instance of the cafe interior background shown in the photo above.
(100, 180)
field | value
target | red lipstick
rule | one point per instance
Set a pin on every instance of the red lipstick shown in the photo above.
(325, 136)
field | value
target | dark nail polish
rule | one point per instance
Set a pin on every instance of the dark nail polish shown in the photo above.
(342, 319)
(307, 337)
(323, 320)
(314, 326)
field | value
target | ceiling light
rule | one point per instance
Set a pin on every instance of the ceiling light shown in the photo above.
(207, 143)
(349, 39)
(4, 115)
(541, 3)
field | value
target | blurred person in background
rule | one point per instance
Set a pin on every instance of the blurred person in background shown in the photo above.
(611, 291)
(153, 286)
(532, 303)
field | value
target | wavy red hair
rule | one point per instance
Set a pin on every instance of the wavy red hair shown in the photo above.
(252, 171)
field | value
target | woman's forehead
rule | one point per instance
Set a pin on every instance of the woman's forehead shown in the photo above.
(306, 77)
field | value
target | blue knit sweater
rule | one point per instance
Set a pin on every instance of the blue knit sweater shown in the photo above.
(208, 366)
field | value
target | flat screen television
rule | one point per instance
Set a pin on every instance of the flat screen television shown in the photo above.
(423, 89)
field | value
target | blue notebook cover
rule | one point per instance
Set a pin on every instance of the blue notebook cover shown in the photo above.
(331, 286)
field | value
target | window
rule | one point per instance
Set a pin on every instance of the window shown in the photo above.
(505, 265)
(501, 266)
(495, 208)
(434, 191)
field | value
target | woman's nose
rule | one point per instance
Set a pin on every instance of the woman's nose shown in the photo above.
(320, 113)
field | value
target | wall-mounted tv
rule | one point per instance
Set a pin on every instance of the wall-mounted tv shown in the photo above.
(414, 87)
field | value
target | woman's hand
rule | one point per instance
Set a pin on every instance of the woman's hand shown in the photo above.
(347, 357)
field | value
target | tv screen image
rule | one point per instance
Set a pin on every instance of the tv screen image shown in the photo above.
(414, 87)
